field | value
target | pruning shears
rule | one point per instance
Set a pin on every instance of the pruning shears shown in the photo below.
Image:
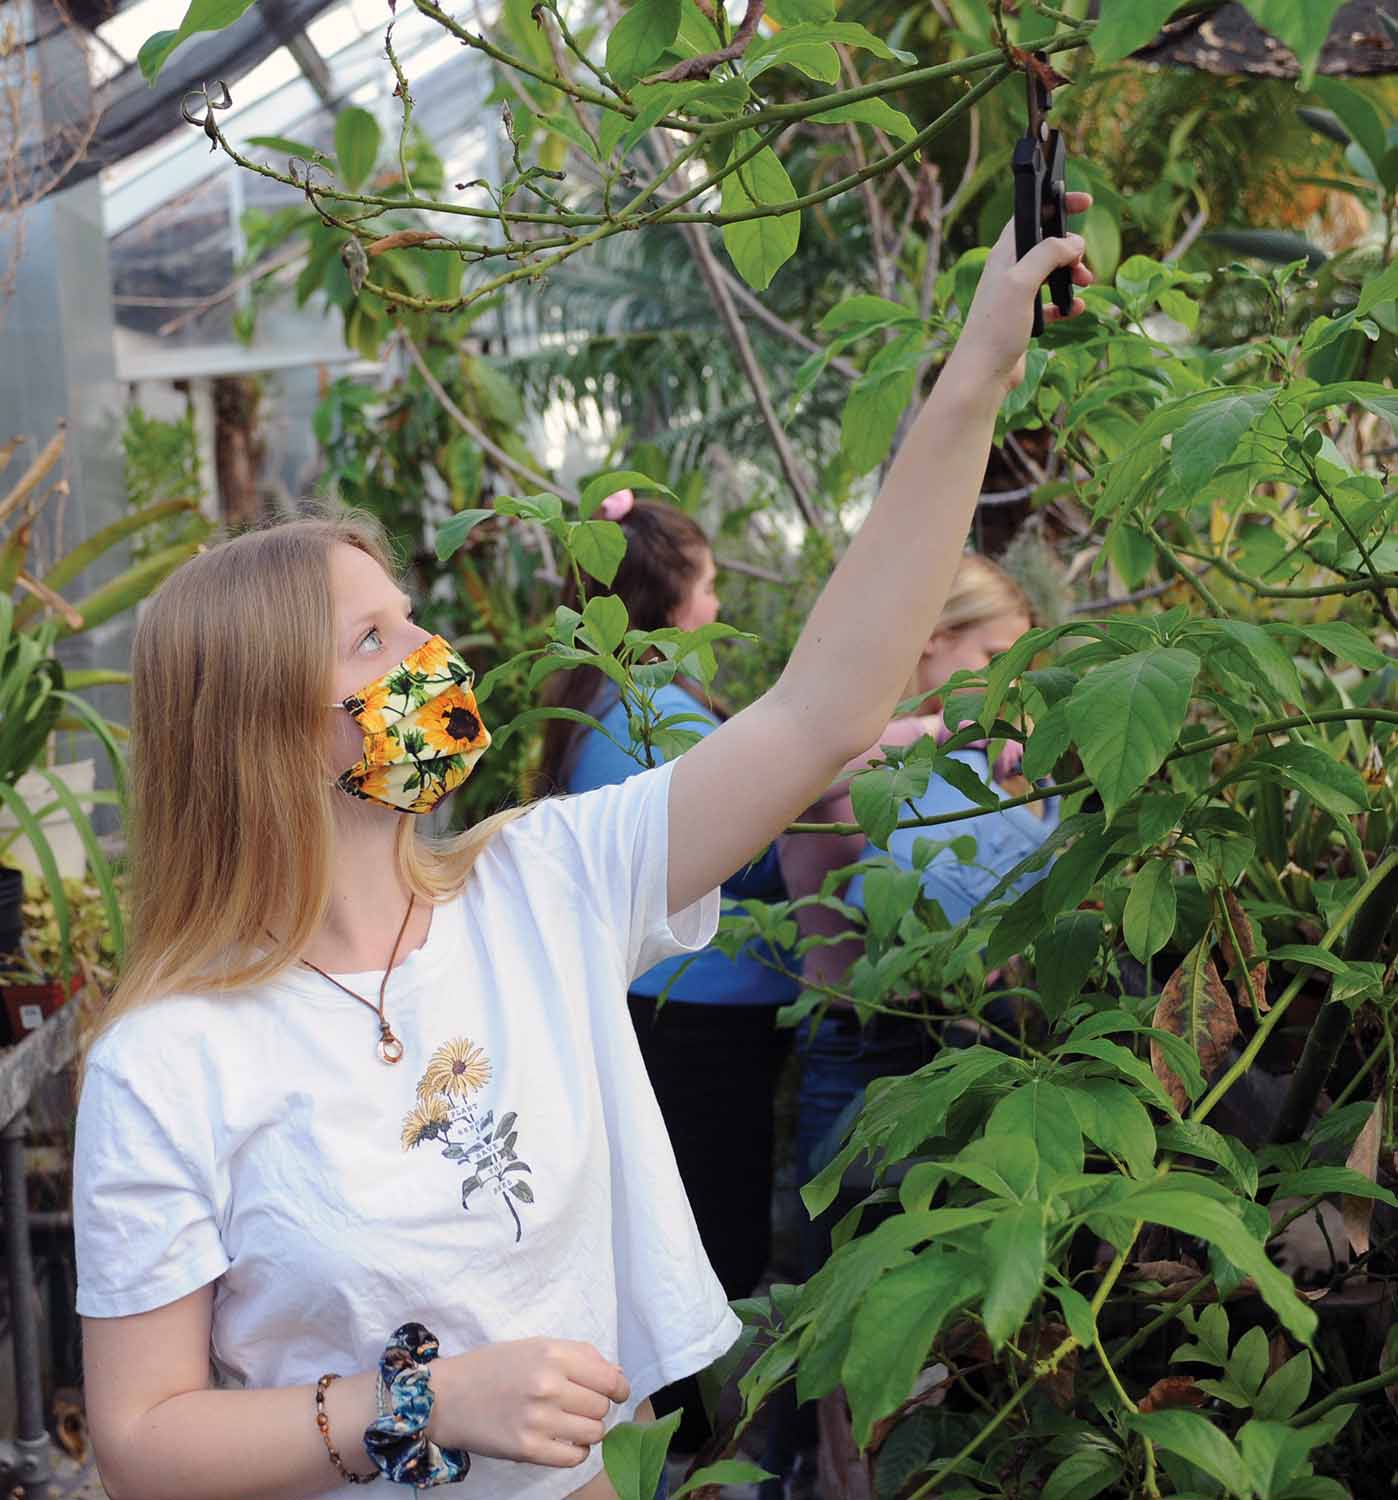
(1040, 161)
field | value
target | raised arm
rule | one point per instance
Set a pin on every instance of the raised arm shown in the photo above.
(743, 784)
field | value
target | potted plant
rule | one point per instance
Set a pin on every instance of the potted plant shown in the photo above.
(37, 696)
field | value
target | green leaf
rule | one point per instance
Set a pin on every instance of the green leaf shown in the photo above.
(1308, 953)
(1064, 956)
(878, 797)
(452, 533)
(1221, 1226)
(893, 1330)
(202, 15)
(1149, 919)
(871, 415)
(598, 489)
(605, 622)
(726, 1471)
(1211, 437)
(759, 247)
(1378, 290)
(1261, 647)
(1197, 1439)
(1127, 716)
(357, 140)
(1088, 1471)
(1281, 1397)
(598, 548)
(794, 12)
(639, 38)
(1329, 783)
(1348, 644)
(876, 112)
(1044, 1113)
(633, 1454)
(1014, 1255)
(1112, 1117)
(1302, 24)
(1363, 122)
(285, 147)
(1204, 1141)
(1127, 25)
(793, 45)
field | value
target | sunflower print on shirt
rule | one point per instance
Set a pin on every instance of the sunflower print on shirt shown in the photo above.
(448, 1110)
(422, 731)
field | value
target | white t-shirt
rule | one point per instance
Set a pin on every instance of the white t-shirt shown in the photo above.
(256, 1141)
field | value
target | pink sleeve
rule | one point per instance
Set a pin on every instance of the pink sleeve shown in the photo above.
(807, 858)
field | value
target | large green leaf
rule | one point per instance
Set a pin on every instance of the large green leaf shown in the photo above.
(598, 548)
(639, 38)
(894, 1328)
(1126, 25)
(1149, 918)
(1219, 1224)
(1302, 24)
(1211, 437)
(634, 1455)
(1043, 1113)
(759, 247)
(598, 489)
(1328, 782)
(1014, 1259)
(1195, 1438)
(1085, 1472)
(876, 112)
(357, 140)
(1127, 716)
(1112, 1117)
(1064, 956)
(1364, 124)
(202, 15)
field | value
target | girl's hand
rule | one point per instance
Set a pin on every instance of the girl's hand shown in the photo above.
(536, 1401)
(992, 346)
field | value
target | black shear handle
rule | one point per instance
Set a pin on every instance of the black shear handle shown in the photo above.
(1041, 201)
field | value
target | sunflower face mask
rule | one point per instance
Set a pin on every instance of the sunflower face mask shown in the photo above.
(422, 733)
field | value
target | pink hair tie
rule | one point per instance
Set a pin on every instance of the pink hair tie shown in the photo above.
(614, 507)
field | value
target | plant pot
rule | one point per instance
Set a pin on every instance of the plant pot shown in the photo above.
(28, 1006)
(11, 913)
(69, 852)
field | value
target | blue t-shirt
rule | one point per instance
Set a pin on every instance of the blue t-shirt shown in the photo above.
(1002, 840)
(712, 978)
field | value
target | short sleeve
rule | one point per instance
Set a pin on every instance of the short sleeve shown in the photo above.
(615, 842)
(144, 1217)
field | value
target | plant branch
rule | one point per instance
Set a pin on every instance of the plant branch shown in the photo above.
(1084, 783)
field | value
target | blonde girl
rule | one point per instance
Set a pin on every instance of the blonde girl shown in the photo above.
(369, 1180)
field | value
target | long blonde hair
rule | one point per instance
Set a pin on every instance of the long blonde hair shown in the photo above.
(232, 830)
(982, 590)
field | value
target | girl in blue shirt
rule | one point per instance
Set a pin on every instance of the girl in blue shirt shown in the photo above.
(713, 1051)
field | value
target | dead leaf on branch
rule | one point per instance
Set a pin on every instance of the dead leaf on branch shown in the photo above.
(1195, 1006)
(399, 240)
(1364, 1159)
(1236, 962)
(1171, 1392)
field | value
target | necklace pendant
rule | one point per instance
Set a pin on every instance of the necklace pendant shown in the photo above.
(390, 1049)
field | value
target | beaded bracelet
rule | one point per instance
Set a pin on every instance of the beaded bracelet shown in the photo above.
(323, 1423)
(397, 1441)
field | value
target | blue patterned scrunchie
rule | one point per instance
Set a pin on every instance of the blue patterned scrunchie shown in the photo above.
(397, 1440)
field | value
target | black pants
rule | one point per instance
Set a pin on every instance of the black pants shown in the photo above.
(714, 1069)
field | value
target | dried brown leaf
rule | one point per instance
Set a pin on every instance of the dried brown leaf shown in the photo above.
(1364, 1159)
(399, 240)
(1166, 1272)
(1173, 1391)
(1236, 963)
(1196, 1006)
